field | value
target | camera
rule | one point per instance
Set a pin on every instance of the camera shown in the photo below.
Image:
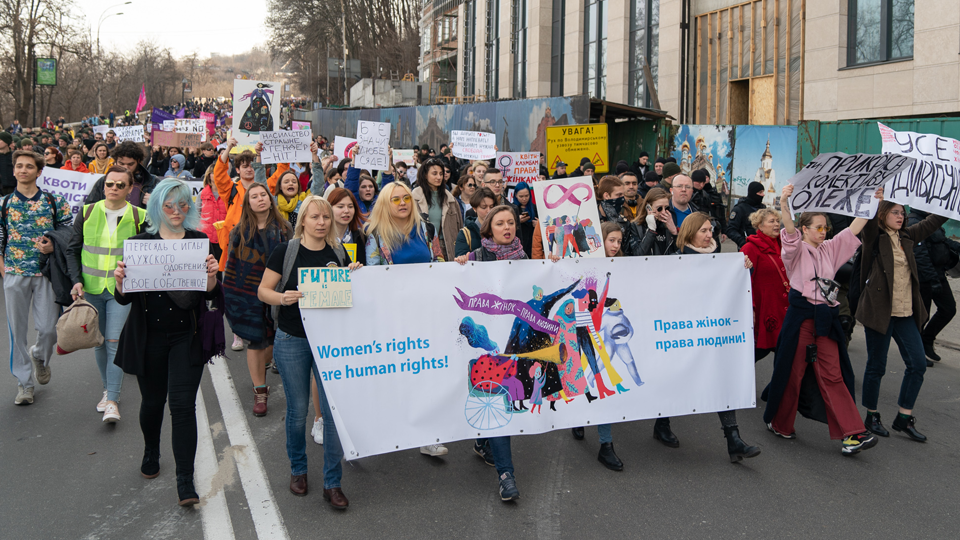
(811, 353)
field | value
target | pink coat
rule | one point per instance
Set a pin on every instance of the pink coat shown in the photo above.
(803, 262)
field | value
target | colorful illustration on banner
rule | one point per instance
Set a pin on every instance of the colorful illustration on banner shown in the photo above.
(765, 154)
(569, 219)
(706, 147)
(559, 346)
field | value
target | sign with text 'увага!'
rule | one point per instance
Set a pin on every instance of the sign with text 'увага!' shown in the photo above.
(570, 144)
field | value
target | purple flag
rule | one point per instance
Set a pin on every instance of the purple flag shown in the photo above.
(159, 115)
(181, 113)
(492, 304)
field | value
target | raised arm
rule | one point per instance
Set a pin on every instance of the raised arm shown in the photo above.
(785, 217)
(858, 224)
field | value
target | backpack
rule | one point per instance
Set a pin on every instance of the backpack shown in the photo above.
(289, 259)
(78, 328)
(466, 234)
(3, 211)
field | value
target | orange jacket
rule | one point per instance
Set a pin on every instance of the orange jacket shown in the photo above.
(225, 184)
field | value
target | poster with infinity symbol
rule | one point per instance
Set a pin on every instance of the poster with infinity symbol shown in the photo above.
(569, 219)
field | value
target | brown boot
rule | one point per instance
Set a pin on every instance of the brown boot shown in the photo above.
(260, 396)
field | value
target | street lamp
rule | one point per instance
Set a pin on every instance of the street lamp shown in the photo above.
(103, 17)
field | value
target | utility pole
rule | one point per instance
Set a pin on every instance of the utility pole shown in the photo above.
(343, 7)
(327, 95)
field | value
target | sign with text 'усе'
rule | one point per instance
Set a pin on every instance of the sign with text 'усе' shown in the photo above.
(285, 146)
(932, 182)
(165, 265)
(325, 288)
(570, 144)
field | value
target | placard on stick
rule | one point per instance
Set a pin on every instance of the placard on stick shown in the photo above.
(165, 265)
(192, 125)
(285, 146)
(180, 140)
(325, 288)
(373, 138)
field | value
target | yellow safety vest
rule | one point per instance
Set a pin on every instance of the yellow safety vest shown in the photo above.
(103, 249)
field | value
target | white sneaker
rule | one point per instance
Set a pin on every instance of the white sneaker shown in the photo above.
(102, 406)
(111, 413)
(41, 371)
(317, 431)
(434, 450)
(24, 396)
(237, 343)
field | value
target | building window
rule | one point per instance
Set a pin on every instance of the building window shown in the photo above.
(518, 44)
(492, 74)
(469, 47)
(644, 42)
(556, 48)
(879, 31)
(595, 49)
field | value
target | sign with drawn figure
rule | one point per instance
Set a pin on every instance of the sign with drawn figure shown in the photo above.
(844, 184)
(932, 182)
(524, 347)
(256, 106)
(373, 140)
(473, 145)
(71, 185)
(569, 218)
(519, 166)
(765, 154)
(570, 144)
(325, 288)
(343, 147)
(165, 265)
(707, 147)
(298, 125)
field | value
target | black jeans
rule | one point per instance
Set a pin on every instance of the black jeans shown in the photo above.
(168, 370)
(946, 309)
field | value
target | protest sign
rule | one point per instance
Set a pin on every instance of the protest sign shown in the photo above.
(285, 147)
(196, 186)
(325, 288)
(169, 125)
(297, 125)
(405, 156)
(165, 265)
(71, 185)
(343, 146)
(473, 145)
(129, 133)
(488, 343)
(569, 219)
(844, 184)
(256, 109)
(180, 140)
(192, 125)
(373, 139)
(102, 130)
(519, 166)
(932, 182)
(570, 144)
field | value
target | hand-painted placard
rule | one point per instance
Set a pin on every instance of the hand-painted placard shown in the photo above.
(932, 182)
(192, 125)
(165, 265)
(844, 184)
(473, 144)
(569, 219)
(373, 140)
(343, 147)
(129, 133)
(519, 166)
(325, 288)
(285, 146)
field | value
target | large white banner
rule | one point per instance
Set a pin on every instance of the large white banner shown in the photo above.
(490, 348)
(72, 185)
(932, 183)
(843, 183)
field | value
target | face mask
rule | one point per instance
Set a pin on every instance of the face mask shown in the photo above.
(617, 203)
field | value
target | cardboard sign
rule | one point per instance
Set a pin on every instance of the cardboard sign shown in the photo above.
(343, 146)
(473, 145)
(373, 140)
(192, 125)
(570, 144)
(932, 182)
(129, 133)
(844, 184)
(519, 166)
(325, 288)
(285, 147)
(165, 265)
(172, 138)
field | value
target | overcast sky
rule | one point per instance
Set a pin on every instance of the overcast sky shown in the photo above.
(184, 26)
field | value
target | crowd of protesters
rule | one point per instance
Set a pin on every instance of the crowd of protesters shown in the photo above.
(810, 277)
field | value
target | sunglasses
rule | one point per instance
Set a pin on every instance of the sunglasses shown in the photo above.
(169, 208)
(471, 185)
(820, 228)
(661, 208)
(118, 185)
(396, 200)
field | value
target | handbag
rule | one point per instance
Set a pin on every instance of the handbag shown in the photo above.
(786, 282)
(78, 328)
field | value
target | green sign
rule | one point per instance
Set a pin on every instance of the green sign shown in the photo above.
(47, 71)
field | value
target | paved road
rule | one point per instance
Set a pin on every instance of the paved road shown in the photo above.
(65, 475)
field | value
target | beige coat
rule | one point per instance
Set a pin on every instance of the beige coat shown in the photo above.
(451, 222)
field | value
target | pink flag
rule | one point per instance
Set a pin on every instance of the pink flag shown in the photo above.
(142, 101)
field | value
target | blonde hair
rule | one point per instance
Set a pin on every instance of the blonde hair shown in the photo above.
(691, 225)
(483, 163)
(381, 223)
(324, 206)
(758, 217)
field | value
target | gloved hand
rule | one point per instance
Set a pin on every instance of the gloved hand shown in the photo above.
(651, 222)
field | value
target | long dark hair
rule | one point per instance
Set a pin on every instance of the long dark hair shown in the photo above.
(425, 186)
(247, 227)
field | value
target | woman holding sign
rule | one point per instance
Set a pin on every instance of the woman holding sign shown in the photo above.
(891, 307)
(161, 343)
(316, 244)
(260, 230)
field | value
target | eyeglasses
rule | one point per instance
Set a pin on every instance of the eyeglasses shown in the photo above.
(118, 185)
(169, 208)
(396, 200)
(494, 182)
(819, 228)
(661, 208)
(900, 213)
(682, 188)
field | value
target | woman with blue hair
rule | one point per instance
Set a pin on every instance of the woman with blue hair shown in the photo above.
(527, 211)
(161, 343)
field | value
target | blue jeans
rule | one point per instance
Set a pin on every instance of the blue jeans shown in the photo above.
(904, 331)
(605, 432)
(500, 450)
(295, 362)
(112, 318)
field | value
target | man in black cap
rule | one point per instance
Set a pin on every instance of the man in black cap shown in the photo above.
(641, 166)
(739, 227)
(7, 180)
(650, 181)
(706, 198)
(669, 171)
(622, 167)
(561, 171)
(579, 170)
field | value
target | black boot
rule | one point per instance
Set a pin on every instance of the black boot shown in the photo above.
(736, 447)
(590, 397)
(577, 433)
(929, 351)
(186, 491)
(150, 467)
(873, 425)
(662, 433)
(553, 406)
(906, 424)
(609, 458)
(522, 406)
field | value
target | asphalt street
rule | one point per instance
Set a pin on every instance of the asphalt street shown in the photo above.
(66, 475)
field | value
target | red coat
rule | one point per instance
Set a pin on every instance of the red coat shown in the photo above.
(770, 288)
(212, 210)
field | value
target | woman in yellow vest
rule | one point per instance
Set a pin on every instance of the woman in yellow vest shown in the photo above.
(96, 246)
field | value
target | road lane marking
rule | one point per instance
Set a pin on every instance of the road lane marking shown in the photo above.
(213, 505)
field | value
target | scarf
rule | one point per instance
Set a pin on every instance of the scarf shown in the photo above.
(100, 166)
(286, 206)
(510, 252)
(241, 279)
(709, 249)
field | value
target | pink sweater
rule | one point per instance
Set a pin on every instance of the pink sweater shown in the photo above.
(804, 262)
